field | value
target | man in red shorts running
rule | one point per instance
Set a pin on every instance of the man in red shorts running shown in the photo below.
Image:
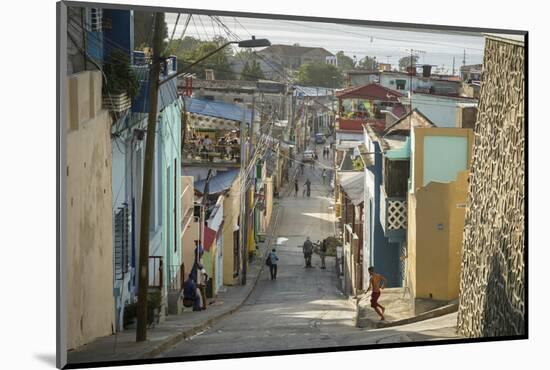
(377, 282)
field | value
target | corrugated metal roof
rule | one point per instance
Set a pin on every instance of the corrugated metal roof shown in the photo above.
(217, 109)
(353, 184)
(312, 91)
(218, 183)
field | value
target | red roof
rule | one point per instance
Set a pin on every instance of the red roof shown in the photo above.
(350, 124)
(399, 111)
(209, 236)
(372, 91)
(356, 125)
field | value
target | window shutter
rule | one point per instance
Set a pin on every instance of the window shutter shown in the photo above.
(122, 241)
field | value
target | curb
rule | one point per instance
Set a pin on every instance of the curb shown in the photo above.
(162, 347)
(441, 311)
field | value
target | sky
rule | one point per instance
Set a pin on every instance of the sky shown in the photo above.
(387, 45)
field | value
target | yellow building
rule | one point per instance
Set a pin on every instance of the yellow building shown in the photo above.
(231, 210)
(440, 158)
(190, 225)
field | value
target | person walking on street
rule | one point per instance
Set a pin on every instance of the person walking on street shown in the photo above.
(322, 252)
(324, 175)
(377, 282)
(302, 167)
(273, 266)
(308, 187)
(308, 250)
(295, 188)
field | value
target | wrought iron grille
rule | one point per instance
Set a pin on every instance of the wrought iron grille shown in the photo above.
(122, 241)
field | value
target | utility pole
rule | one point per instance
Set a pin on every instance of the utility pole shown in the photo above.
(412, 68)
(464, 60)
(242, 224)
(143, 275)
(453, 66)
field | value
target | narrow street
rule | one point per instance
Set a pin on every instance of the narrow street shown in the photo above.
(303, 308)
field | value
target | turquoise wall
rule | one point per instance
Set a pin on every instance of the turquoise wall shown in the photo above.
(444, 157)
(169, 131)
(402, 153)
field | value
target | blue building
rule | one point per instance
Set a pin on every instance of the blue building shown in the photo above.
(379, 249)
(386, 185)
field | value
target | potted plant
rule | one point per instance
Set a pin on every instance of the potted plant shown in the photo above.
(121, 84)
(154, 302)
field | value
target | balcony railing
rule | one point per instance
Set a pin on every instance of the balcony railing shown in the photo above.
(220, 154)
(156, 271)
(175, 277)
(167, 92)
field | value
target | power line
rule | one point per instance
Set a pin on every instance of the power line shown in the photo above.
(173, 32)
(183, 32)
(204, 28)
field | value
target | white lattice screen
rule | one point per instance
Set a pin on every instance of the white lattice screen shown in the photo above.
(397, 214)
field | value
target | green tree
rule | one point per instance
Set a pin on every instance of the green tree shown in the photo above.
(219, 61)
(177, 47)
(406, 62)
(252, 71)
(319, 74)
(344, 62)
(369, 63)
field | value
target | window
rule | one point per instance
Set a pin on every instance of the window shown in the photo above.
(122, 241)
(400, 84)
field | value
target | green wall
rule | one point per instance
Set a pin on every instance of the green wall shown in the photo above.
(444, 157)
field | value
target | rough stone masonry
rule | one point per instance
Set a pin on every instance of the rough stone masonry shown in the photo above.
(492, 296)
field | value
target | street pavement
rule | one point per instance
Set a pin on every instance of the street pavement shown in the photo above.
(303, 308)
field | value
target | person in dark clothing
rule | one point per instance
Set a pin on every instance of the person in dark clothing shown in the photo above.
(295, 188)
(198, 274)
(322, 252)
(308, 187)
(191, 294)
(197, 264)
(273, 265)
(308, 251)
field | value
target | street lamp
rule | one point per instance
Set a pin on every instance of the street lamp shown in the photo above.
(252, 43)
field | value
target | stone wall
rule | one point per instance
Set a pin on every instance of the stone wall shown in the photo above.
(90, 302)
(492, 296)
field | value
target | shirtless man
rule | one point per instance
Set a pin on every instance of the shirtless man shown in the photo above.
(374, 283)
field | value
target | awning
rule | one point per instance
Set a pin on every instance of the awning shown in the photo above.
(222, 181)
(353, 184)
(201, 122)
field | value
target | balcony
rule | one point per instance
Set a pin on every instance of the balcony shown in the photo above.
(228, 155)
(168, 92)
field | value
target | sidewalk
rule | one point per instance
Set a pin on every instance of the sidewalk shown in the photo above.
(400, 309)
(123, 345)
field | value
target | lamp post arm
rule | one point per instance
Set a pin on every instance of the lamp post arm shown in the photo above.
(197, 62)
